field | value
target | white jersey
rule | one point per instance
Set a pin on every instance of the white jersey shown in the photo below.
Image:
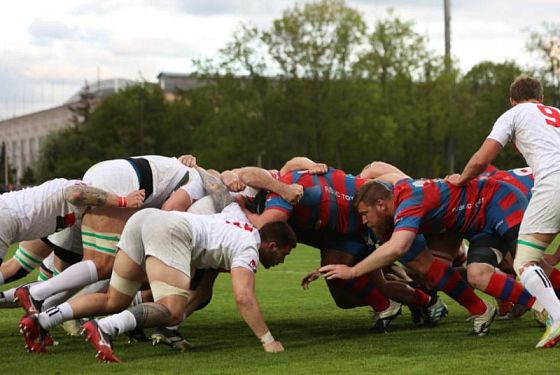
(118, 176)
(167, 174)
(223, 241)
(41, 210)
(535, 130)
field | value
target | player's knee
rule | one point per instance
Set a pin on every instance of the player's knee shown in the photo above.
(342, 302)
(172, 297)
(104, 266)
(203, 304)
(529, 251)
(123, 285)
(477, 275)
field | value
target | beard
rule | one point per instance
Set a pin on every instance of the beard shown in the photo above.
(385, 228)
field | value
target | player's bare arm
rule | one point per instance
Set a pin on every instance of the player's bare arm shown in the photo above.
(232, 181)
(478, 162)
(259, 178)
(216, 189)
(268, 216)
(83, 195)
(383, 256)
(300, 163)
(188, 160)
(377, 169)
(392, 177)
(179, 200)
(243, 283)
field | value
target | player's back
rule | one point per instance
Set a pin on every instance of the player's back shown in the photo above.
(40, 209)
(223, 240)
(434, 206)
(326, 202)
(521, 178)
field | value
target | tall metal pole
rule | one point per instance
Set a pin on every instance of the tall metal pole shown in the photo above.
(5, 152)
(450, 146)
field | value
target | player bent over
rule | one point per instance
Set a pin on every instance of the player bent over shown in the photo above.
(224, 240)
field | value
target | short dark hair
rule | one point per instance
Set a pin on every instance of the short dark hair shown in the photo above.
(370, 192)
(279, 232)
(525, 88)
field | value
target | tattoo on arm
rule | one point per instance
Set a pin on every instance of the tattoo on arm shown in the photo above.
(151, 314)
(216, 189)
(82, 195)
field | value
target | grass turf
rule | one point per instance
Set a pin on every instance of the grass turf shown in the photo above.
(318, 337)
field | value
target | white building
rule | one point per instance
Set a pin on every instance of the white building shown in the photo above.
(24, 135)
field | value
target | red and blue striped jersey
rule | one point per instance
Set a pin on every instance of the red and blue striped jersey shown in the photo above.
(521, 178)
(435, 206)
(326, 203)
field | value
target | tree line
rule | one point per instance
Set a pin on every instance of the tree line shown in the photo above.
(319, 82)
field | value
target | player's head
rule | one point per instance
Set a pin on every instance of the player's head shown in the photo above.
(373, 201)
(525, 88)
(277, 240)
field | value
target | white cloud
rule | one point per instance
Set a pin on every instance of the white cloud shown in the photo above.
(55, 46)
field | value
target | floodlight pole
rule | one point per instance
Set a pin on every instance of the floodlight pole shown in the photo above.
(5, 151)
(450, 146)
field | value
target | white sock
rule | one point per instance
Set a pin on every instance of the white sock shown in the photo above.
(100, 286)
(1, 279)
(137, 298)
(537, 283)
(75, 276)
(56, 299)
(9, 294)
(118, 323)
(55, 315)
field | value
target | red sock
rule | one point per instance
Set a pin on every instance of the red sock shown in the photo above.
(420, 298)
(508, 289)
(450, 281)
(554, 278)
(363, 289)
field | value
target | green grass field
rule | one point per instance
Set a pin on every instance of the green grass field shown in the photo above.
(319, 339)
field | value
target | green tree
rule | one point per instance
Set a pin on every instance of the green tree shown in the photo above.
(28, 177)
(484, 96)
(545, 44)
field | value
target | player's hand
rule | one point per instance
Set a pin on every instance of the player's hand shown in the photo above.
(319, 168)
(236, 186)
(337, 271)
(232, 182)
(273, 347)
(455, 179)
(309, 278)
(293, 194)
(188, 160)
(135, 199)
(551, 259)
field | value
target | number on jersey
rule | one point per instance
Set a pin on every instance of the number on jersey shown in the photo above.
(552, 115)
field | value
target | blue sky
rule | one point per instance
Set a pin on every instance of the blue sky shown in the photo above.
(48, 49)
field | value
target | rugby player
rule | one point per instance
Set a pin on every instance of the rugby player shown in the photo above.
(533, 128)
